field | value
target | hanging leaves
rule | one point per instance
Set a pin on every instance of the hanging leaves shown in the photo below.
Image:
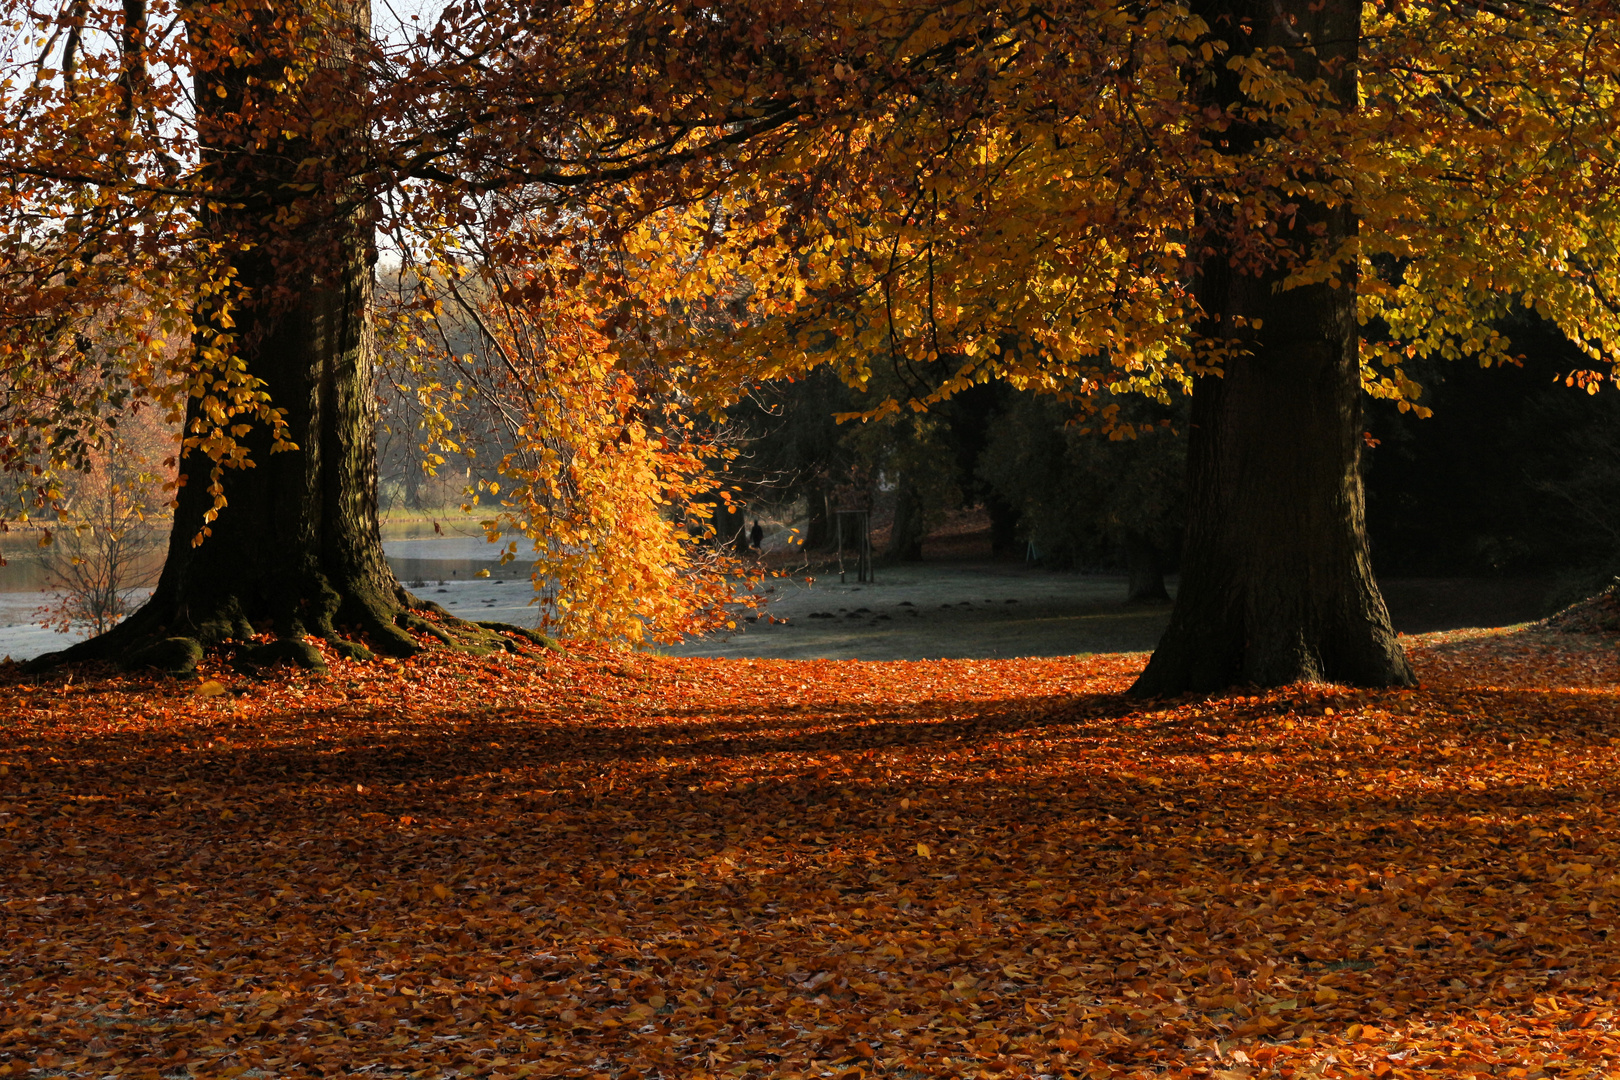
(604, 473)
(708, 197)
(989, 190)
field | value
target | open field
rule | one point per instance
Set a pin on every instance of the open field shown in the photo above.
(622, 866)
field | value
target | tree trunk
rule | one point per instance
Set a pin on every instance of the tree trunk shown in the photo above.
(1145, 564)
(296, 550)
(906, 535)
(1003, 525)
(1276, 579)
(819, 534)
(731, 528)
(413, 481)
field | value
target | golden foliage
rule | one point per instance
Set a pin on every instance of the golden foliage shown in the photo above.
(743, 191)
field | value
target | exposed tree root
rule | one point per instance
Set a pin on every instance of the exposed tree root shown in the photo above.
(177, 654)
(357, 624)
(534, 637)
(299, 651)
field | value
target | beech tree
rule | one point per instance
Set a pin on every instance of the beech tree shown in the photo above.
(220, 173)
(1229, 196)
(1274, 204)
(1277, 580)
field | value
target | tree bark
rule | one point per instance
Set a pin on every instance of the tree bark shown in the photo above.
(413, 483)
(731, 528)
(906, 535)
(1003, 525)
(1276, 578)
(296, 551)
(1145, 564)
(819, 534)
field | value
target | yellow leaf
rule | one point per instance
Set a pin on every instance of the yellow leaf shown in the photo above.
(211, 688)
(924, 850)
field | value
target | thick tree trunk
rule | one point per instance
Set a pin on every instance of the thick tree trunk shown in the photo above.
(819, 534)
(1145, 564)
(906, 535)
(296, 551)
(1276, 581)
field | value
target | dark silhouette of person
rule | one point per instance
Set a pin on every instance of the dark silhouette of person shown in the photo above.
(756, 535)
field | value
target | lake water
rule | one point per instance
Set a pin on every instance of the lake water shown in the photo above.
(437, 567)
(414, 556)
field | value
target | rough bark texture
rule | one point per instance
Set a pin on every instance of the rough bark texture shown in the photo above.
(297, 551)
(1276, 580)
(1145, 564)
(819, 534)
(906, 535)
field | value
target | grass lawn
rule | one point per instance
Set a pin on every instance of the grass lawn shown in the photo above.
(627, 866)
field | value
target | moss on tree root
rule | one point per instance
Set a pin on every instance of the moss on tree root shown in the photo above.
(534, 637)
(299, 651)
(177, 655)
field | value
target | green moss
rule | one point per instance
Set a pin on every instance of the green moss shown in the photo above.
(321, 606)
(286, 651)
(175, 655)
(350, 650)
(375, 612)
(533, 636)
(422, 626)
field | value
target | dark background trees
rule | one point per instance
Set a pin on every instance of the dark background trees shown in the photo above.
(1515, 473)
(1512, 474)
(1084, 499)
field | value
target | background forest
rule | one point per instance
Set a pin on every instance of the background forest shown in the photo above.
(1503, 471)
(1513, 473)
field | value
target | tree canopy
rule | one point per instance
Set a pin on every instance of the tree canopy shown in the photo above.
(715, 194)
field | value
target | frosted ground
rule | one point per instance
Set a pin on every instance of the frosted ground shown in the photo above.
(932, 610)
(504, 596)
(939, 611)
(913, 612)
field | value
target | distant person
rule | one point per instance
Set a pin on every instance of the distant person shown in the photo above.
(756, 535)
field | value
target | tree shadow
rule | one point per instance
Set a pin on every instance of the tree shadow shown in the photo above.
(1146, 880)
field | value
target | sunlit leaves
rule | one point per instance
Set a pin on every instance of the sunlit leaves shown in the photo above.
(602, 472)
(952, 192)
(704, 868)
